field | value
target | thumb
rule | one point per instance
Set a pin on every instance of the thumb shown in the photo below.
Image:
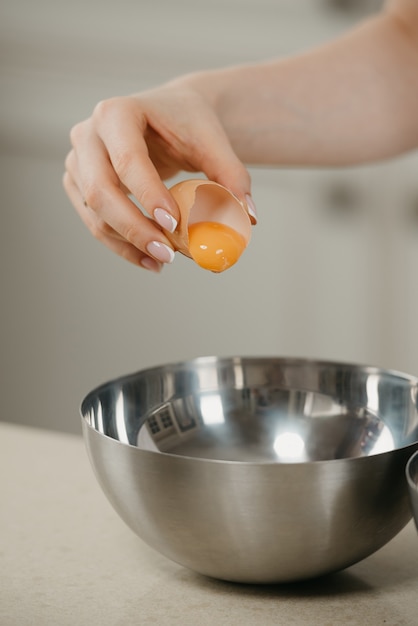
(230, 172)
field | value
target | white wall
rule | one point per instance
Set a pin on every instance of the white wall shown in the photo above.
(315, 281)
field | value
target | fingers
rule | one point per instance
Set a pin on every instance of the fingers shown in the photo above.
(105, 233)
(195, 137)
(235, 177)
(229, 171)
(101, 188)
(122, 151)
(121, 126)
(96, 192)
(98, 179)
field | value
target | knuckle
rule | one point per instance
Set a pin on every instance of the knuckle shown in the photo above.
(93, 196)
(76, 132)
(102, 108)
(66, 181)
(69, 161)
(195, 149)
(122, 162)
(99, 229)
(131, 233)
(106, 108)
(69, 186)
(145, 194)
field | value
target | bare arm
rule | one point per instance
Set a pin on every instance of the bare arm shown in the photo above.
(352, 100)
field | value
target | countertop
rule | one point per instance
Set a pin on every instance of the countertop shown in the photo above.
(67, 558)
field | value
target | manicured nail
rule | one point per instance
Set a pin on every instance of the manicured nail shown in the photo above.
(151, 264)
(165, 220)
(160, 251)
(251, 208)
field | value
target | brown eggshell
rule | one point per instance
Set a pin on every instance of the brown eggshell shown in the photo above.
(201, 200)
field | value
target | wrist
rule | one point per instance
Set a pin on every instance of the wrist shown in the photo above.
(207, 84)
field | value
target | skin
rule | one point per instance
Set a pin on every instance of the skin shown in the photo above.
(353, 100)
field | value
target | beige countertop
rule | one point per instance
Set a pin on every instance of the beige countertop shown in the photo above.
(67, 558)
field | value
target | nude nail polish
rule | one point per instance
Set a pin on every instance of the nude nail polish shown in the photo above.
(160, 251)
(251, 208)
(165, 220)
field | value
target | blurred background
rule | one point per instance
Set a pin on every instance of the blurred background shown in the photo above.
(331, 270)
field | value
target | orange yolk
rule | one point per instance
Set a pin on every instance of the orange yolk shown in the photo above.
(214, 246)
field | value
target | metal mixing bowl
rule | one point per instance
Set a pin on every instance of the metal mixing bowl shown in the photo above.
(257, 470)
(412, 477)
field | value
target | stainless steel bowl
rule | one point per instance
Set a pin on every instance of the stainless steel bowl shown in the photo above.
(257, 470)
(412, 477)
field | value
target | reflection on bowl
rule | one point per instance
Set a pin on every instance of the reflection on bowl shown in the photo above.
(257, 469)
(270, 425)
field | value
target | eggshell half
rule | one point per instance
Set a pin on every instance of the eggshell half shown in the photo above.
(201, 200)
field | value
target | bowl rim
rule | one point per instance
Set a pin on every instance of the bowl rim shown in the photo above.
(373, 369)
(254, 358)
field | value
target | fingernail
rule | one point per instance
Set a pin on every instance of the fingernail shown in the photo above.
(251, 208)
(151, 264)
(160, 251)
(165, 220)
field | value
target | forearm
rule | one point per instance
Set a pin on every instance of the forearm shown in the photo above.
(349, 101)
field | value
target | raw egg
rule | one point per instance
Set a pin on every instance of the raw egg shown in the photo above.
(214, 228)
(214, 246)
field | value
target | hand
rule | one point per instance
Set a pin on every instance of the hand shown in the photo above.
(126, 148)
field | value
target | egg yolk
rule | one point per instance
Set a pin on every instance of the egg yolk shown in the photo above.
(215, 246)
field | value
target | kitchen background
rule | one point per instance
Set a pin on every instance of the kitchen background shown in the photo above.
(331, 270)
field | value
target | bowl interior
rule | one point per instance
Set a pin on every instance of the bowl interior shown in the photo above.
(260, 410)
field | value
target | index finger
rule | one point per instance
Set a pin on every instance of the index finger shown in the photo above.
(121, 128)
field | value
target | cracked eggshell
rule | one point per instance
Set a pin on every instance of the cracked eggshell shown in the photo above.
(201, 200)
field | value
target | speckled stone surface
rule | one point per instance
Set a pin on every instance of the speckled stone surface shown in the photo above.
(67, 559)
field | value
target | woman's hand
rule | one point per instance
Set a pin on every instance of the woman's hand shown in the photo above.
(127, 147)
(349, 101)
